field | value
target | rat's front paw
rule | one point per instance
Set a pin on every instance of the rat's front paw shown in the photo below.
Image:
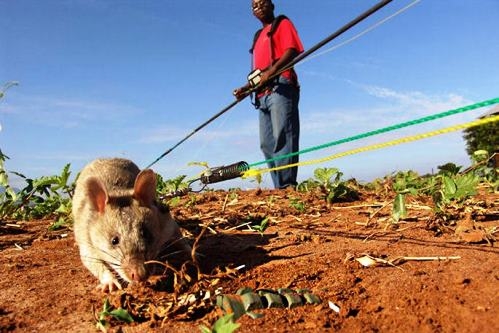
(108, 283)
(109, 287)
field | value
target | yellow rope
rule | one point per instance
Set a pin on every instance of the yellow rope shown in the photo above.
(478, 122)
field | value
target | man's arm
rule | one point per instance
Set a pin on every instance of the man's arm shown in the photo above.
(286, 58)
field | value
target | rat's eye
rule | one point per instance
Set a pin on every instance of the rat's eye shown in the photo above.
(115, 240)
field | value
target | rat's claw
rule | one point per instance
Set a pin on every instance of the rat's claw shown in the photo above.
(108, 283)
(109, 287)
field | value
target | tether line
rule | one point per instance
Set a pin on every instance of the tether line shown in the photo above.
(478, 122)
(386, 129)
(360, 34)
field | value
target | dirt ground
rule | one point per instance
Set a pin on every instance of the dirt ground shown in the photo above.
(308, 244)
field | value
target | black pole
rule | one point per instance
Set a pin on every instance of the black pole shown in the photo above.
(227, 108)
(299, 58)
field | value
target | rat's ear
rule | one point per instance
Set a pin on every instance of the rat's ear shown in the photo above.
(97, 194)
(144, 189)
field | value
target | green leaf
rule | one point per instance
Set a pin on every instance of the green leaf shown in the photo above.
(450, 187)
(64, 208)
(122, 315)
(225, 324)
(12, 194)
(260, 227)
(102, 325)
(62, 180)
(413, 191)
(466, 186)
(205, 329)
(175, 201)
(324, 175)
(297, 204)
(307, 185)
(480, 155)
(4, 181)
(399, 209)
(61, 221)
(106, 307)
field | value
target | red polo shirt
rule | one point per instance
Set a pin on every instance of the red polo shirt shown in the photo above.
(284, 37)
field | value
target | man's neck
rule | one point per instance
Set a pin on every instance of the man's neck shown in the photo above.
(268, 20)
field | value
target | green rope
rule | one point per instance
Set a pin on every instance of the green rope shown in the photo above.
(386, 129)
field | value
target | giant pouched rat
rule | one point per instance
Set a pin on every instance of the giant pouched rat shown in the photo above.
(118, 223)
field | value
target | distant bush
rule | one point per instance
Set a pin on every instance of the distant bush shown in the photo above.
(484, 137)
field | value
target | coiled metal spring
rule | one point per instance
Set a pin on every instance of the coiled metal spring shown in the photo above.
(218, 174)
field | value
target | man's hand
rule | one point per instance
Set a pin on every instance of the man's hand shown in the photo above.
(241, 92)
(264, 78)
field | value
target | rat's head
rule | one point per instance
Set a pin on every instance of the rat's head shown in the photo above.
(124, 226)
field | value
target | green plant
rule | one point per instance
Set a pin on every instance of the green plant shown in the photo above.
(270, 200)
(174, 202)
(399, 210)
(260, 227)
(4, 180)
(232, 196)
(484, 166)
(297, 204)
(325, 176)
(41, 197)
(108, 313)
(224, 324)
(164, 187)
(407, 182)
(455, 189)
(484, 137)
(404, 183)
(447, 187)
(191, 202)
(328, 180)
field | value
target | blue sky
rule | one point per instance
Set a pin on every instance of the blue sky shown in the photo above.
(131, 78)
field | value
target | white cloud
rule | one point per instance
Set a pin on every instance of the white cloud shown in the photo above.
(418, 101)
(391, 108)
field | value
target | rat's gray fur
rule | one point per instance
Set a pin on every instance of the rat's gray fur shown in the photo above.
(118, 224)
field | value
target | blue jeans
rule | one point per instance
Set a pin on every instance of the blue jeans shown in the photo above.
(280, 130)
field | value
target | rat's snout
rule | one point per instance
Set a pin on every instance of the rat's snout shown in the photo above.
(135, 270)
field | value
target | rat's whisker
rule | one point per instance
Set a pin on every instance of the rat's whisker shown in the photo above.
(171, 254)
(174, 242)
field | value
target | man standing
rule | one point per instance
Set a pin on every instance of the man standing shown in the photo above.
(278, 93)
